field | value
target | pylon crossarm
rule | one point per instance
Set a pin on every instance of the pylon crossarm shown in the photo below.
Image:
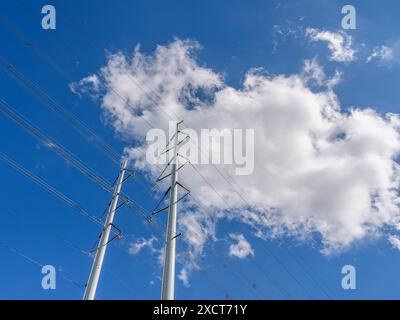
(158, 211)
(183, 157)
(184, 133)
(176, 236)
(160, 176)
(183, 187)
(183, 197)
(169, 149)
(120, 233)
(155, 211)
(173, 136)
(130, 174)
(165, 208)
(169, 174)
(126, 200)
(184, 140)
(179, 143)
(117, 235)
(111, 231)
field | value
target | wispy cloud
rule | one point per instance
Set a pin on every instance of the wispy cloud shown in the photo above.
(142, 243)
(382, 53)
(313, 74)
(241, 248)
(339, 43)
(395, 241)
(90, 84)
(184, 277)
(281, 33)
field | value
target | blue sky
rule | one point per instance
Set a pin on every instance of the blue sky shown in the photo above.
(235, 36)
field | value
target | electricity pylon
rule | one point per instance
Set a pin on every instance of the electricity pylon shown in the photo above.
(93, 281)
(168, 276)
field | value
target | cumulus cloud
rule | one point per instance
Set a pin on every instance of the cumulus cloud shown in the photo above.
(339, 43)
(319, 170)
(241, 248)
(382, 53)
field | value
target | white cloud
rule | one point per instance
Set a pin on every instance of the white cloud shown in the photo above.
(313, 73)
(332, 82)
(395, 241)
(318, 170)
(382, 53)
(281, 33)
(184, 277)
(90, 83)
(339, 43)
(141, 244)
(241, 248)
(197, 228)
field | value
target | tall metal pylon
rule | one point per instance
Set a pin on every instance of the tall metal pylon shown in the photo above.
(93, 281)
(168, 276)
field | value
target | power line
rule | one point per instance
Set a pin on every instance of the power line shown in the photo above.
(78, 125)
(171, 235)
(90, 291)
(62, 152)
(89, 138)
(45, 57)
(50, 103)
(76, 206)
(57, 194)
(43, 184)
(37, 263)
(52, 145)
(264, 269)
(320, 285)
